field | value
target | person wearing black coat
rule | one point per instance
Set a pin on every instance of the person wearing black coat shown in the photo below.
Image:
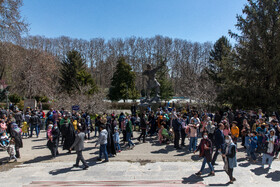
(69, 133)
(219, 141)
(53, 144)
(111, 149)
(15, 133)
(143, 126)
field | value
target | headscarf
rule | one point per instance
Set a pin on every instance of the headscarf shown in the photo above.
(229, 143)
(16, 128)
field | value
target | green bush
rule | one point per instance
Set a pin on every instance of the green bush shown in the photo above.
(15, 98)
(46, 106)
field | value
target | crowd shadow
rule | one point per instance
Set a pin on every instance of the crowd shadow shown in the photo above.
(39, 147)
(275, 176)
(260, 171)
(166, 150)
(39, 140)
(193, 179)
(43, 158)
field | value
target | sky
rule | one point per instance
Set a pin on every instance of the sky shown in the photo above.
(193, 20)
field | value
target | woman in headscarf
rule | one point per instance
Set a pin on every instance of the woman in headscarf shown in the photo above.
(230, 158)
(68, 132)
(270, 142)
(15, 133)
(53, 139)
(111, 149)
(205, 148)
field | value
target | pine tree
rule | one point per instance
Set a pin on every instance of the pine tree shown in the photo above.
(74, 74)
(258, 55)
(166, 89)
(123, 83)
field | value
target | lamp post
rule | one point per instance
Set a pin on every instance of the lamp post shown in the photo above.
(7, 98)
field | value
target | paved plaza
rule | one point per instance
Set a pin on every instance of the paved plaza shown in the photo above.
(148, 164)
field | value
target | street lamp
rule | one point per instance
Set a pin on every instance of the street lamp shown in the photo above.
(7, 98)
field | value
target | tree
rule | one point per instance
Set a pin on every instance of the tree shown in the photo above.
(123, 82)
(74, 74)
(258, 55)
(11, 23)
(219, 60)
(166, 88)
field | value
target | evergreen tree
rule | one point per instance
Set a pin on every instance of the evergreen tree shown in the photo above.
(258, 55)
(74, 74)
(123, 83)
(166, 89)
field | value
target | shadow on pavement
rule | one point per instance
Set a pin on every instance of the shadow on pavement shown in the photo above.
(165, 150)
(274, 176)
(43, 158)
(259, 171)
(193, 179)
(227, 184)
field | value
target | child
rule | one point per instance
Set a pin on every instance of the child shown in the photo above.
(234, 132)
(25, 131)
(102, 140)
(253, 145)
(49, 132)
(116, 137)
(11, 150)
(4, 139)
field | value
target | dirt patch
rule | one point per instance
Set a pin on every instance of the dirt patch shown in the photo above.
(6, 166)
(142, 162)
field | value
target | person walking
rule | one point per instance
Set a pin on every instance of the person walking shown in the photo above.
(230, 158)
(205, 151)
(143, 126)
(79, 147)
(176, 124)
(219, 141)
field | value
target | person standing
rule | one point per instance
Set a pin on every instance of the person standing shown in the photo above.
(143, 126)
(185, 123)
(129, 133)
(102, 140)
(271, 148)
(35, 123)
(230, 158)
(177, 129)
(79, 147)
(205, 151)
(219, 141)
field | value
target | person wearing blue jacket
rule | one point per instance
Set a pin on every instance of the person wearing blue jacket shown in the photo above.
(253, 145)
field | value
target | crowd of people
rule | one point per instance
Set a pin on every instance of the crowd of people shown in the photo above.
(219, 133)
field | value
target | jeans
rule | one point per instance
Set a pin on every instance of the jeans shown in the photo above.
(204, 163)
(252, 153)
(95, 131)
(267, 157)
(118, 147)
(193, 142)
(128, 138)
(103, 150)
(36, 130)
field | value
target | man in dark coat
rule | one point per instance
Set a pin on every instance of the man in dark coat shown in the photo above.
(219, 141)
